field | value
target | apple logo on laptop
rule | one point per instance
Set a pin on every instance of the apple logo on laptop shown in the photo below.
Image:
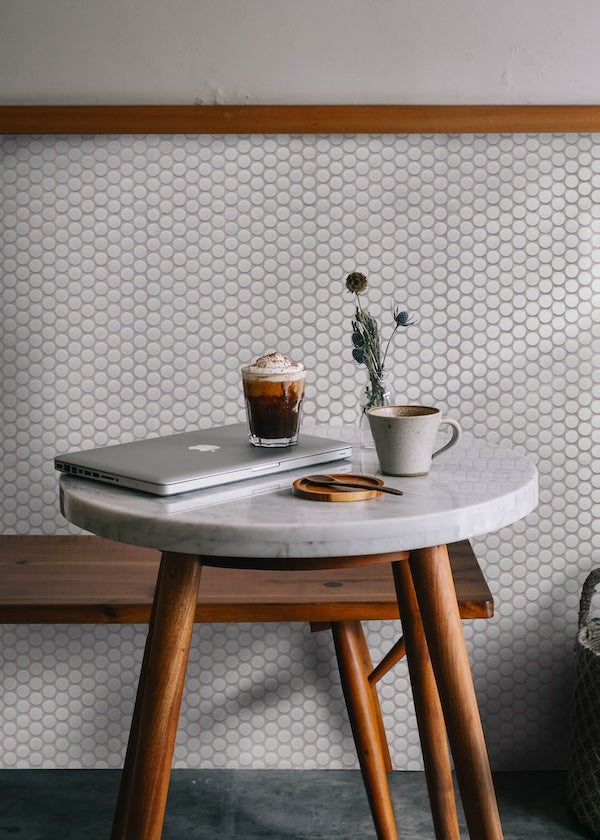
(205, 447)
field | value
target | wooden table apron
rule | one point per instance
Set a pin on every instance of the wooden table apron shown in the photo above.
(475, 489)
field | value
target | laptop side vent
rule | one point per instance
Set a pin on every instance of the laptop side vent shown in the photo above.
(68, 468)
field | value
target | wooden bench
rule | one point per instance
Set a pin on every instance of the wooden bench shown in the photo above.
(90, 580)
(85, 579)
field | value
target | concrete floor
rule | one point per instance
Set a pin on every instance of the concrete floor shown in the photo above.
(265, 805)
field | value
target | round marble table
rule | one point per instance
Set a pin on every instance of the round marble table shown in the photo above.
(474, 489)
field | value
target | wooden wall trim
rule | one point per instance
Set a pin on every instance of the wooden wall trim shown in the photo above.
(298, 119)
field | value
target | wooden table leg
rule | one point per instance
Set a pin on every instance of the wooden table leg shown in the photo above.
(434, 587)
(124, 798)
(349, 641)
(430, 718)
(143, 794)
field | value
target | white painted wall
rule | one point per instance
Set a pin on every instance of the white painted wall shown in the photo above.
(317, 51)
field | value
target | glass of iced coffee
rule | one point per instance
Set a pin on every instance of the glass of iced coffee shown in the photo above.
(273, 391)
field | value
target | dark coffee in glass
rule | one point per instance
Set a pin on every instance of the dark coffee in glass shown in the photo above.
(273, 391)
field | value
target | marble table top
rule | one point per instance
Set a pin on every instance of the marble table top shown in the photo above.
(472, 490)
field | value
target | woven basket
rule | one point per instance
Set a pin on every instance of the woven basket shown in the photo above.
(583, 774)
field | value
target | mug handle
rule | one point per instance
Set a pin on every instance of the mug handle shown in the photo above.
(456, 433)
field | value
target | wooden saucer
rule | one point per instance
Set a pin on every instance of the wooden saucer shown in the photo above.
(303, 488)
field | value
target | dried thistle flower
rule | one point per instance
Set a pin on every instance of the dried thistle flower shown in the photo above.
(356, 283)
(403, 319)
(366, 345)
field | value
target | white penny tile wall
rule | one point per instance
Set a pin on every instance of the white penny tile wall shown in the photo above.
(140, 273)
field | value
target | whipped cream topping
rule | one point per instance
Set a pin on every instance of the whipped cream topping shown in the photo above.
(274, 363)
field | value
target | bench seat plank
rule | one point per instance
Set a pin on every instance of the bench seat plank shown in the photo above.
(87, 579)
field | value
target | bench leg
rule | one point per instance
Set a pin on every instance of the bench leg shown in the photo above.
(430, 718)
(143, 794)
(354, 673)
(368, 666)
(375, 674)
(436, 595)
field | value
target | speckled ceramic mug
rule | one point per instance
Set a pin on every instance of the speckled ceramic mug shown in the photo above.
(405, 437)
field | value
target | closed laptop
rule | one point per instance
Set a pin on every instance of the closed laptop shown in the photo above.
(193, 460)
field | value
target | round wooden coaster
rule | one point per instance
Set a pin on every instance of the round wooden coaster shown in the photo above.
(301, 487)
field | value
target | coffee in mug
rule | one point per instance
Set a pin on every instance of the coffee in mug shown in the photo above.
(405, 437)
(273, 392)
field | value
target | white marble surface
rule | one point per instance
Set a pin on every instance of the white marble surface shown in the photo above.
(475, 489)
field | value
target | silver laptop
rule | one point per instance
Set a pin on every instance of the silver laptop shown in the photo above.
(193, 460)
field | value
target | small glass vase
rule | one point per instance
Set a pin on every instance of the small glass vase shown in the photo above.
(376, 392)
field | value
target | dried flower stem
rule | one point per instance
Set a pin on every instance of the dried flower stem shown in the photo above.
(366, 343)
